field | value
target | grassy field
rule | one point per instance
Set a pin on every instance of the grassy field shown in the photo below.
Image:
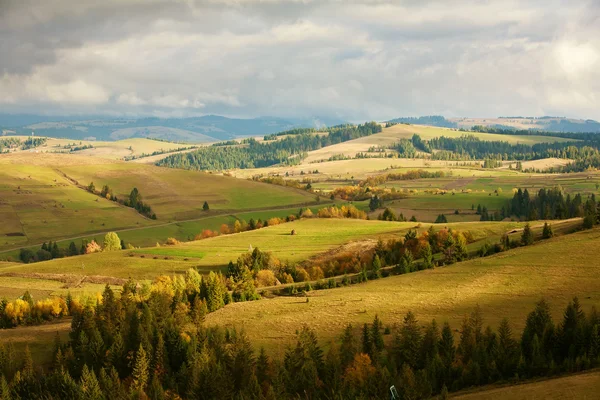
(314, 236)
(38, 203)
(463, 193)
(176, 194)
(114, 150)
(583, 386)
(506, 285)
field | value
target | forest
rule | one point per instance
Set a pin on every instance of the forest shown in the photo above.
(289, 150)
(154, 345)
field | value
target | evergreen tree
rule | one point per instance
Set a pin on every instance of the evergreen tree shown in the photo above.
(527, 235)
(376, 267)
(73, 251)
(89, 385)
(348, 347)
(441, 219)
(205, 206)
(376, 334)
(427, 256)
(367, 343)
(140, 371)
(547, 232)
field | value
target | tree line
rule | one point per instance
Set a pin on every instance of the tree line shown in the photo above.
(549, 203)
(154, 345)
(289, 150)
(584, 152)
(134, 200)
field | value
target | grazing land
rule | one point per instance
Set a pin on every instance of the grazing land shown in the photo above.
(42, 197)
(582, 386)
(505, 285)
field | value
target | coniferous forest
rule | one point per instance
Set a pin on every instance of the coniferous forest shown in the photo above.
(253, 154)
(155, 346)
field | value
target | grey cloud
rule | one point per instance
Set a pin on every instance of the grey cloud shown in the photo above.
(352, 59)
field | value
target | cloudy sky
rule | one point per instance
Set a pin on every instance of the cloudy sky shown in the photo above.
(357, 60)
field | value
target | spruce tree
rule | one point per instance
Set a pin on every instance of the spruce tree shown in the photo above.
(527, 235)
(367, 344)
(348, 347)
(140, 371)
(427, 256)
(376, 334)
(89, 385)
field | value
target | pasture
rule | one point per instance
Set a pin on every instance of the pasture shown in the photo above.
(39, 200)
(581, 386)
(505, 285)
(113, 150)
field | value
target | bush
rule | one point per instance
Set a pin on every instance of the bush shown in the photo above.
(172, 241)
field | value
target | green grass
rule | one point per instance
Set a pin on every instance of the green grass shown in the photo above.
(39, 204)
(506, 285)
(177, 194)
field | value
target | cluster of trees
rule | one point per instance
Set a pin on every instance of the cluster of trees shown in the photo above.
(584, 150)
(32, 142)
(24, 311)
(358, 193)
(157, 152)
(402, 253)
(376, 180)
(9, 143)
(134, 200)
(289, 150)
(51, 250)
(549, 204)
(405, 148)
(389, 215)
(295, 131)
(155, 346)
(345, 211)
(433, 120)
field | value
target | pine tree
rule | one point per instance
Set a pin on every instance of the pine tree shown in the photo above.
(89, 385)
(5, 393)
(205, 206)
(73, 251)
(376, 334)
(27, 363)
(348, 347)
(446, 346)
(140, 371)
(376, 267)
(427, 256)
(367, 344)
(527, 235)
(408, 342)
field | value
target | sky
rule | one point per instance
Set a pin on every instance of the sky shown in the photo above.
(355, 60)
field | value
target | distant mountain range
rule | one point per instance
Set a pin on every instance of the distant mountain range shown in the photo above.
(208, 128)
(550, 124)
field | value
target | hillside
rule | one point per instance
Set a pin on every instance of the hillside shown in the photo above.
(40, 199)
(580, 386)
(209, 128)
(505, 285)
